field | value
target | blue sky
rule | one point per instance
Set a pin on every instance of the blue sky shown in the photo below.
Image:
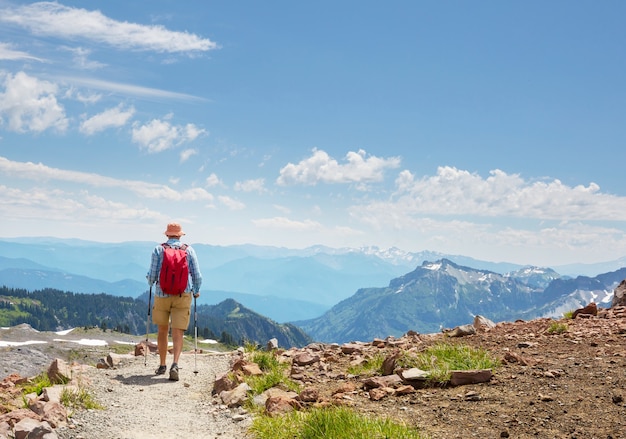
(489, 129)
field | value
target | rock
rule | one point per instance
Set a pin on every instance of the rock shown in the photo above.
(272, 344)
(59, 372)
(280, 405)
(461, 331)
(5, 429)
(382, 381)
(251, 369)
(619, 295)
(114, 360)
(306, 358)
(309, 394)
(140, 348)
(224, 382)
(389, 363)
(15, 416)
(248, 368)
(377, 394)
(351, 348)
(29, 428)
(50, 411)
(235, 397)
(345, 388)
(463, 377)
(414, 374)
(483, 323)
(591, 309)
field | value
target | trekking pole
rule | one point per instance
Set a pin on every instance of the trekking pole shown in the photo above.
(145, 358)
(195, 330)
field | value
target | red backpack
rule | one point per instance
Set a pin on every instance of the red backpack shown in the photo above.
(174, 273)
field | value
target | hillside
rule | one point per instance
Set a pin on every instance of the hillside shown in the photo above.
(442, 294)
(561, 384)
(54, 310)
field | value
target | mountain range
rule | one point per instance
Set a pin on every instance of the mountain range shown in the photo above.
(333, 294)
(441, 294)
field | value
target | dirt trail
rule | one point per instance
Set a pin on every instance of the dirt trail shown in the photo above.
(141, 405)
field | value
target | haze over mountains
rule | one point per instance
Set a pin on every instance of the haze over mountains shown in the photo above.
(290, 285)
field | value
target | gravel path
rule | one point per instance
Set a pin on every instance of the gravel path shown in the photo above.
(141, 405)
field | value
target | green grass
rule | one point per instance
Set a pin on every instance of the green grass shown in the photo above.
(78, 398)
(274, 373)
(568, 314)
(373, 366)
(36, 384)
(557, 328)
(330, 423)
(441, 358)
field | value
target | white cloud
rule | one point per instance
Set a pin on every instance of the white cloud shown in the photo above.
(231, 203)
(41, 172)
(112, 118)
(187, 154)
(280, 222)
(129, 89)
(160, 135)
(320, 167)
(30, 104)
(53, 19)
(213, 180)
(461, 193)
(8, 54)
(81, 58)
(57, 205)
(257, 185)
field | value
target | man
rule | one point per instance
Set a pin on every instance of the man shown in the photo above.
(172, 308)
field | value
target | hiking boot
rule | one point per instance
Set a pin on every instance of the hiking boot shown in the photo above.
(161, 370)
(174, 372)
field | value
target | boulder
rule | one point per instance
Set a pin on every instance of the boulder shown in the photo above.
(29, 428)
(224, 382)
(463, 377)
(272, 344)
(461, 331)
(619, 295)
(235, 397)
(305, 358)
(59, 372)
(589, 310)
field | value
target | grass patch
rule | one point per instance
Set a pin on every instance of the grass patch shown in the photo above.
(442, 358)
(78, 399)
(557, 328)
(37, 384)
(332, 422)
(373, 366)
(568, 314)
(274, 373)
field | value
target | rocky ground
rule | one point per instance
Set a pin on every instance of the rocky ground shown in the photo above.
(551, 384)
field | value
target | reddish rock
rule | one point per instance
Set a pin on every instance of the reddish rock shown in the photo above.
(309, 394)
(591, 309)
(463, 377)
(279, 405)
(619, 295)
(224, 382)
(306, 358)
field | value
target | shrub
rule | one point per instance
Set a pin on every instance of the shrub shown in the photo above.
(441, 358)
(331, 422)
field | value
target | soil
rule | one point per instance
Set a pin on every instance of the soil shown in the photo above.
(551, 384)
(569, 385)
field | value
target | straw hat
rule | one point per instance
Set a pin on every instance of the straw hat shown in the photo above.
(174, 230)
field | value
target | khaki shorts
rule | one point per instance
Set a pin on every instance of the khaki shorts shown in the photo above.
(176, 307)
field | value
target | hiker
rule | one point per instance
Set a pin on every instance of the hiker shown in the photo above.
(173, 305)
